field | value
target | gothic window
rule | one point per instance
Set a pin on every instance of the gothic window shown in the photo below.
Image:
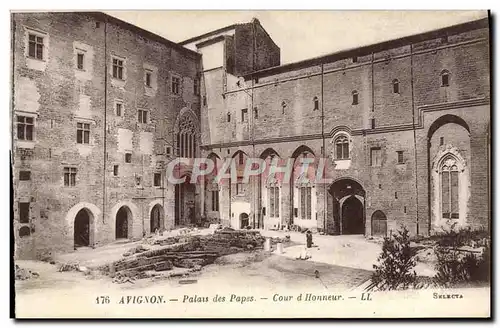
(342, 147)
(186, 138)
(449, 189)
(316, 103)
(305, 203)
(274, 201)
(215, 200)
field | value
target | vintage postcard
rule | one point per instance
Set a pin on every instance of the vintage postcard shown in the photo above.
(251, 164)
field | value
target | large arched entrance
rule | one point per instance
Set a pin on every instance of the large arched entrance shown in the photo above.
(123, 225)
(379, 224)
(352, 216)
(83, 228)
(185, 203)
(156, 220)
(346, 208)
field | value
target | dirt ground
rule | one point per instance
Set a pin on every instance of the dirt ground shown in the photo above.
(342, 263)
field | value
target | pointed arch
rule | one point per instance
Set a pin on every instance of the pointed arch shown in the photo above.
(301, 149)
(268, 152)
(445, 119)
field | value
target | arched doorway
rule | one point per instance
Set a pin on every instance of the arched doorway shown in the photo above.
(379, 224)
(156, 219)
(82, 229)
(352, 216)
(123, 225)
(185, 203)
(244, 222)
(346, 208)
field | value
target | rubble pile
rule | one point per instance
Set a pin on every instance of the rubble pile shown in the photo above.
(186, 252)
(23, 274)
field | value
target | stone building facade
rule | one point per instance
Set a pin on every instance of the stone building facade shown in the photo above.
(403, 125)
(101, 107)
(97, 103)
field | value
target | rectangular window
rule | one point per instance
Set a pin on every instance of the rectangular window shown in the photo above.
(83, 133)
(372, 123)
(79, 61)
(176, 83)
(69, 176)
(215, 200)
(441, 141)
(229, 117)
(119, 109)
(401, 158)
(376, 156)
(118, 68)
(148, 79)
(35, 47)
(157, 180)
(24, 175)
(168, 150)
(128, 157)
(244, 115)
(115, 170)
(355, 98)
(25, 126)
(142, 116)
(204, 101)
(196, 86)
(255, 113)
(24, 212)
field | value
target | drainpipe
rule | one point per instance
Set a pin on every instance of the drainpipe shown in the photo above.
(415, 136)
(105, 120)
(325, 197)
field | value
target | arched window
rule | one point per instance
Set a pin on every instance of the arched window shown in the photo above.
(24, 231)
(395, 86)
(342, 147)
(316, 103)
(355, 97)
(186, 138)
(449, 189)
(445, 78)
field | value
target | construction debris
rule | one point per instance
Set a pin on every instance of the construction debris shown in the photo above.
(69, 267)
(23, 274)
(189, 252)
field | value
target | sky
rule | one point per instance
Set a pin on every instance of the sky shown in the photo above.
(302, 34)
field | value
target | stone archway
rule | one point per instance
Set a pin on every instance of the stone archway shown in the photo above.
(83, 232)
(90, 210)
(123, 223)
(346, 207)
(352, 216)
(157, 219)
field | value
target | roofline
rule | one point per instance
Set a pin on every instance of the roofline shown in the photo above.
(224, 29)
(376, 47)
(214, 32)
(145, 33)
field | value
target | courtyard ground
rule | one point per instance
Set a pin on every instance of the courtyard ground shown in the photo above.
(337, 263)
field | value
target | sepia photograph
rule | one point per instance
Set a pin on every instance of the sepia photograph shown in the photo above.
(251, 164)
